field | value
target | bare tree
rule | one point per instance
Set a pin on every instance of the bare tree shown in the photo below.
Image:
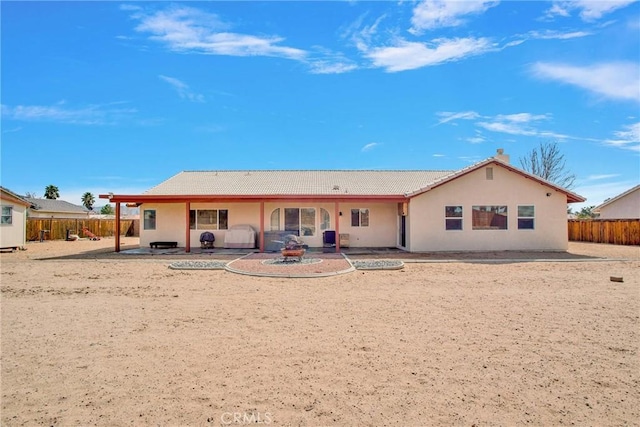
(548, 163)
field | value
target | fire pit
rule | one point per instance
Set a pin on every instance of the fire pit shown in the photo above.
(293, 248)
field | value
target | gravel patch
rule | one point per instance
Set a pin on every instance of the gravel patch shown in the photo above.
(377, 264)
(198, 265)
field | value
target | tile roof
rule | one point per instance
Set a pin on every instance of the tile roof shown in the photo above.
(51, 205)
(297, 182)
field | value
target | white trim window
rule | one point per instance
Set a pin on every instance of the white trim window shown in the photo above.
(208, 219)
(149, 216)
(453, 218)
(489, 218)
(275, 219)
(325, 219)
(300, 220)
(360, 217)
(7, 215)
(526, 217)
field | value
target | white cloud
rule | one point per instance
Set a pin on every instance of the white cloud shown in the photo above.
(129, 7)
(370, 146)
(431, 14)
(476, 140)
(525, 124)
(411, 55)
(328, 67)
(515, 127)
(557, 35)
(522, 117)
(447, 116)
(183, 89)
(17, 129)
(325, 61)
(186, 29)
(628, 138)
(602, 176)
(616, 80)
(589, 10)
(59, 113)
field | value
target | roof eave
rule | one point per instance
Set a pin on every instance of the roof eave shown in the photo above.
(194, 198)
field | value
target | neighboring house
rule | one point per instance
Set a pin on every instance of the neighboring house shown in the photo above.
(490, 205)
(56, 209)
(623, 206)
(13, 222)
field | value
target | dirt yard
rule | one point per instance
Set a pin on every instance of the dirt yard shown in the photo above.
(90, 337)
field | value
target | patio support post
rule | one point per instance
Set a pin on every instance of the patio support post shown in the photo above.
(261, 226)
(188, 232)
(336, 215)
(118, 227)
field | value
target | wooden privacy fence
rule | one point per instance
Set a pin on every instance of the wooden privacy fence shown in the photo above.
(56, 228)
(614, 231)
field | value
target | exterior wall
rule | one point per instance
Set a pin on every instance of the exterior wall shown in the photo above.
(14, 234)
(239, 213)
(312, 241)
(171, 222)
(58, 215)
(627, 207)
(382, 231)
(426, 228)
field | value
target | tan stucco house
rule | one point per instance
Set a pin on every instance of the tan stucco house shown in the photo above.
(623, 206)
(13, 222)
(490, 205)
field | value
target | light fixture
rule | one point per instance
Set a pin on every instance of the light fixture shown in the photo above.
(548, 194)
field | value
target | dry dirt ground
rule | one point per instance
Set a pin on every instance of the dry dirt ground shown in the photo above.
(90, 337)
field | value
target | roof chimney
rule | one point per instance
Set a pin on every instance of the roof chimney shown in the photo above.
(501, 156)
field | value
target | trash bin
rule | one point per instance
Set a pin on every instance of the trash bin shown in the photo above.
(329, 238)
(42, 235)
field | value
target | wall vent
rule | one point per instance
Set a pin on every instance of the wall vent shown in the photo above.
(489, 173)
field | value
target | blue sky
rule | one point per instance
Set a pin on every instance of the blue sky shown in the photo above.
(119, 96)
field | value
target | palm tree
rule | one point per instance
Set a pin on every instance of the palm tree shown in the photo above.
(51, 192)
(88, 200)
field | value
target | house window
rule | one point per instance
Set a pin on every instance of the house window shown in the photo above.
(526, 217)
(325, 219)
(208, 219)
(275, 220)
(7, 215)
(150, 219)
(453, 217)
(301, 220)
(489, 218)
(359, 217)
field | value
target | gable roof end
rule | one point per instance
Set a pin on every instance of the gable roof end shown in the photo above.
(10, 195)
(618, 197)
(571, 196)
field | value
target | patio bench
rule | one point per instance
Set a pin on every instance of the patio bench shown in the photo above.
(163, 244)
